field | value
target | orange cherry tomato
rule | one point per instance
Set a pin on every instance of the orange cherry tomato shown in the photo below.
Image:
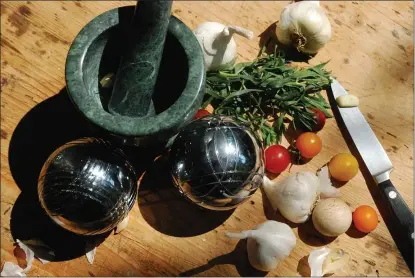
(343, 166)
(365, 219)
(309, 144)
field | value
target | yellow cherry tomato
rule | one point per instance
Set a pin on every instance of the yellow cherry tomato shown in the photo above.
(343, 167)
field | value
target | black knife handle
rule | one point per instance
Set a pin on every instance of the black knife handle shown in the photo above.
(403, 215)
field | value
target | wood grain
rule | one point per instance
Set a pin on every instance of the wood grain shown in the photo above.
(371, 54)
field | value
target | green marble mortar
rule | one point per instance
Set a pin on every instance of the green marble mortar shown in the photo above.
(179, 91)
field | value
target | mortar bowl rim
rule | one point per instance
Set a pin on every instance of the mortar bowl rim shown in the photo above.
(182, 108)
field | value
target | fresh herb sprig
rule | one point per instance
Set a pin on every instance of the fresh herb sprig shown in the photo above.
(267, 91)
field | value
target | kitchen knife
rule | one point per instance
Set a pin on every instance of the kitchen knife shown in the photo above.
(380, 166)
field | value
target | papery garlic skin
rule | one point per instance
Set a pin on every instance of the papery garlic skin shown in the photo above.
(294, 196)
(326, 189)
(305, 26)
(268, 244)
(30, 255)
(218, 45)
(91, 255)
(12, 270)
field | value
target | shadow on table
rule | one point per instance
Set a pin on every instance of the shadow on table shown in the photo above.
(162, 206)
(44, 128)
(405, 248)
(238, 257)
(47, 126)
(30, 222)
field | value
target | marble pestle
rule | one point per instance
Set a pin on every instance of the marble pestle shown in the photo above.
(139, 66)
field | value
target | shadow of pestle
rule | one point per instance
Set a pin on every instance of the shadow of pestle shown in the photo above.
(138, 70)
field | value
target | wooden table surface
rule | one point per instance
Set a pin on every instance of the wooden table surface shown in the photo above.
(371, 54)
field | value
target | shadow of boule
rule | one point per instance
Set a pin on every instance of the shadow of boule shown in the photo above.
(30, 222)
(46, 127)
(163, 208)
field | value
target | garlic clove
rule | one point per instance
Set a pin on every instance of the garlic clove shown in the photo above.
(335, 260)
(107, 80)
(12, 270)
(122, 225)
(316, 260)
(348, 100)
(327, 190)
(326, 261)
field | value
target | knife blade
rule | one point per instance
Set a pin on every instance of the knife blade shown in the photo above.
(380, 167)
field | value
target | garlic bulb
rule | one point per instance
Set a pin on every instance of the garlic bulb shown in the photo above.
(326, 261)
(218, 45)
(268, 244)
(296, 195)
(305, 26)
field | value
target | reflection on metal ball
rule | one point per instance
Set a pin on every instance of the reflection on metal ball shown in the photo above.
(87, 186)
(216, 162)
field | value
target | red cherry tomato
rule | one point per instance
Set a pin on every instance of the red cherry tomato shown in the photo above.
(319, 118)
(309, 144)
(277, 159)
(201, 113)
(319, 121)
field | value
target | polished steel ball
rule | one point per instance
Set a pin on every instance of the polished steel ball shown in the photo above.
(87, 186)
(216, 162)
